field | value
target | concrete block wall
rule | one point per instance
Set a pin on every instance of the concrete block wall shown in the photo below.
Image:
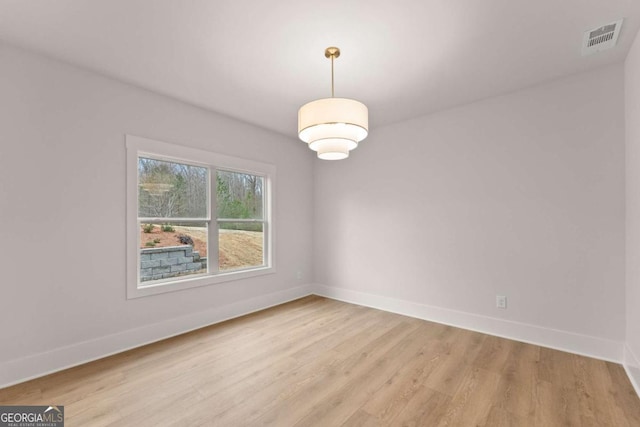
(171, 261)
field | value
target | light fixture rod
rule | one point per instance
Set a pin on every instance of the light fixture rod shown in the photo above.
(332, 53)
(332, 76)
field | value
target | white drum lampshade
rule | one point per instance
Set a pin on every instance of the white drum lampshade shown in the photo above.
(333, 126)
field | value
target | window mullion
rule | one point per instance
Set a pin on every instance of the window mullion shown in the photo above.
(266, 226)
(213, 240)
(161, 220)
(245, 220)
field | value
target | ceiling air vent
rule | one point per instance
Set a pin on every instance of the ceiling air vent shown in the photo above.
(601, 38)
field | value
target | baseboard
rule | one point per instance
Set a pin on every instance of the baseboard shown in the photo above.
(23, 369)
(585, 345)
(632, 367)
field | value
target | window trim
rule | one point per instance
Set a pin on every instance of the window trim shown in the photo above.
(138, 146)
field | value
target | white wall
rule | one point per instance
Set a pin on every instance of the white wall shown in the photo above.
(62, 215)
(520, 195)
(632, 107)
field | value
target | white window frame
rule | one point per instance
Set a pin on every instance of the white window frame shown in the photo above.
(143, 147)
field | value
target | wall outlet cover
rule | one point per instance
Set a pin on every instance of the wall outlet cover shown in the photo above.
(501, 301)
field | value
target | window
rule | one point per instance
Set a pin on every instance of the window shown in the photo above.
(194, 218)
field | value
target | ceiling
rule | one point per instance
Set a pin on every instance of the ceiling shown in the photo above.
(259, 61)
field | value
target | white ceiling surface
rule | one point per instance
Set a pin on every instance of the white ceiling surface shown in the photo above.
(260, 61)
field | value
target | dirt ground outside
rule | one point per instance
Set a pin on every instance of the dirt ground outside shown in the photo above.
(238, 248)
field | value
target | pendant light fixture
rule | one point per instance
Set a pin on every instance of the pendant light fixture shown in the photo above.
(333, 126)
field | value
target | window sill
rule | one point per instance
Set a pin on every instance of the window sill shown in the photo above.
(134, 290)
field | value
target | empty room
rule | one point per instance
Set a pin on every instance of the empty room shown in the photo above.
(342, 213)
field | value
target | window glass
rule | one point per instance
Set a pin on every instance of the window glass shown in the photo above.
(172, 250)
(241, 245)
(239, 195)
(171, 190)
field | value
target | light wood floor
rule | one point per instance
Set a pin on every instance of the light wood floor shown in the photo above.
(318, 362)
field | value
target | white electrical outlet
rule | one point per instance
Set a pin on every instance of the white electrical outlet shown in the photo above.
(501, 301)
(299, 275)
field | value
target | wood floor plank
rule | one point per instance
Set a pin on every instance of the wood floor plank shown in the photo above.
(339, 405)
(592, 379)
(362, 419)
(237, 367)
(556, 367)
(309, 379)
(320, 362)
(623, 395)
(493, 354)
(392, 397)
(517, 388)
(499, 417)
(469, 405)
(556, 406)
(516, 397)
(447, 375)
(521, 366)
(305, 401)
(427, 407)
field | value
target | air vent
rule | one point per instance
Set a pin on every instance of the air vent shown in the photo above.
(601, 38)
